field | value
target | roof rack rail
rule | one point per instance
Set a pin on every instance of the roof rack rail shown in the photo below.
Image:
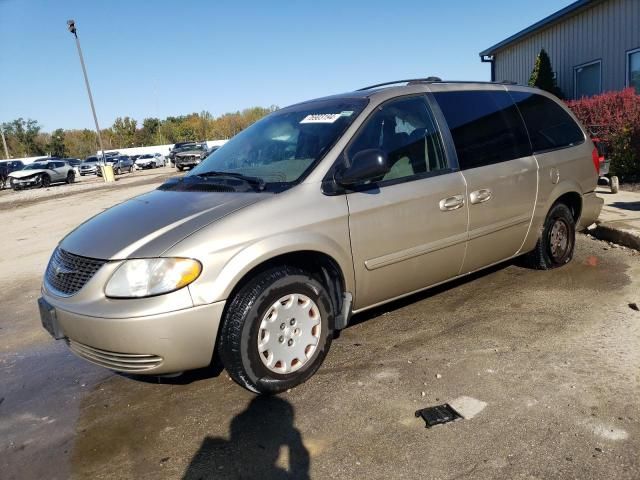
(407, 81)
(414, 81)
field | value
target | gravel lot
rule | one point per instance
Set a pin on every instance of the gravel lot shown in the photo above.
(549, 361)
(11, 199)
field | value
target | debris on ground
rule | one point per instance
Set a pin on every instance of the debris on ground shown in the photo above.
(634, 306)
(437, 415)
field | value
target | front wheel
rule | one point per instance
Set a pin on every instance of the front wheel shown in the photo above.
(556, 245)
(180, 168)
(275, 332)
(45, 181)
(118, 171)
(71, 177)
(131, 169)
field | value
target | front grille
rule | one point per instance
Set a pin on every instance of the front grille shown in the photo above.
(67, 273)
(123, 362)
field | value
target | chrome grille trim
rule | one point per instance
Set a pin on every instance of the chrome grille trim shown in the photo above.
(67, 273)
(123, 362)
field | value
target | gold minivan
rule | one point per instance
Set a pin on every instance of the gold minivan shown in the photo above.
(318, 211)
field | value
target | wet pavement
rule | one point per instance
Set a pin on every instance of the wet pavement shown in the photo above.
(549, 361)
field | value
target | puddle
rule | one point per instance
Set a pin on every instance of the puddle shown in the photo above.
(42, 388)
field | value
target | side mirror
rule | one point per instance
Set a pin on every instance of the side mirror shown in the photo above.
(366, 165)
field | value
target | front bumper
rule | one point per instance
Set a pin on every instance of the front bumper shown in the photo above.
(591, 208)
(188, 161)
(25, 182)
(154, 344)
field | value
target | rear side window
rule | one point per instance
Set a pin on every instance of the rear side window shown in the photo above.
(485, 125)
(549, 125)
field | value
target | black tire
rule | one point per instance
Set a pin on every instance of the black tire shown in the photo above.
(238, 338)
(45, 181)
(118, 171)
(131, 169)
(551, 252)
(71, 177)
(180, 168)
(13, 185)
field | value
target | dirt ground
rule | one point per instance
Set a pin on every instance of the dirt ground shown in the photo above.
(547, 363)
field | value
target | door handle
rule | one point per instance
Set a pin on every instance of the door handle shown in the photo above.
(451, 203)
(480, 196)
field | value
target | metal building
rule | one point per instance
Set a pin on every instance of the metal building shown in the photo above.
(594, 46)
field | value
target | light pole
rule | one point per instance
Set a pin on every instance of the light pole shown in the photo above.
(4, 144)
(71, 25)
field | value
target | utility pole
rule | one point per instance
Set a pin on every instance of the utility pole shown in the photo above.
(71, 25)
(4, 143)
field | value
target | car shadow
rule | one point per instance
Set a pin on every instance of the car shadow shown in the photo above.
(428, 293)
(263, 443)
(633, 206)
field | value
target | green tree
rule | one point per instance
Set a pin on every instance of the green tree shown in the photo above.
(23, 137)
(543, 76)
(124, 130)
(56, 145)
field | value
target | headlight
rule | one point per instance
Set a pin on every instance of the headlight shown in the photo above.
(147, 277)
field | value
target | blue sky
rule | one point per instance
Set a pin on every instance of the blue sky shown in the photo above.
(160, 58)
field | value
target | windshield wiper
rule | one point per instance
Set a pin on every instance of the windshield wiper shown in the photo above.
(257, 182)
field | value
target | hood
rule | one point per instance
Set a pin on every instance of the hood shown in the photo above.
(145, 160)
(148, 225)
(27, 173)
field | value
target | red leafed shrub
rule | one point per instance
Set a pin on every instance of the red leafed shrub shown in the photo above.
(614, 117)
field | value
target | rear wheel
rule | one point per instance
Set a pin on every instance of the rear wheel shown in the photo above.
(556, 245)
(275, 333)
(71, 177)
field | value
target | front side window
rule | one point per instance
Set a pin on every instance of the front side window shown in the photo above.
(633, 67)
(588, 80)
(406, 131)
(549, 125)
(485, 125)
(282, 147)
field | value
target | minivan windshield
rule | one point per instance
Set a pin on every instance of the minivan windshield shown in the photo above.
(284, 146)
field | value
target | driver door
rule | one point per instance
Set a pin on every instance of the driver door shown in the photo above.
(408, 229)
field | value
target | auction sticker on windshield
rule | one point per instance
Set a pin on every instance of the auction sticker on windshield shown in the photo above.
(321, 118)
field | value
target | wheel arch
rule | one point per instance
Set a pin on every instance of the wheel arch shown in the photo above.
(319, 264)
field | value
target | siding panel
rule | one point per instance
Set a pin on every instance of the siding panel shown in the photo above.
(604, 31)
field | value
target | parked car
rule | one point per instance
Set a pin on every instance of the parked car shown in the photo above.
(318, 211)
(177, 148)
(42, 173)
(190, 155)
(89, 166)
(6, 167)
(120, 164)
(150, 160)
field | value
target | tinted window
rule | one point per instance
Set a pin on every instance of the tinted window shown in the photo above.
(406, 131)
(549, 125)
(485, 126)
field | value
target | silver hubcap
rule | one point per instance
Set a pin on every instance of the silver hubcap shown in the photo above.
(559, 239)
(289, 333)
